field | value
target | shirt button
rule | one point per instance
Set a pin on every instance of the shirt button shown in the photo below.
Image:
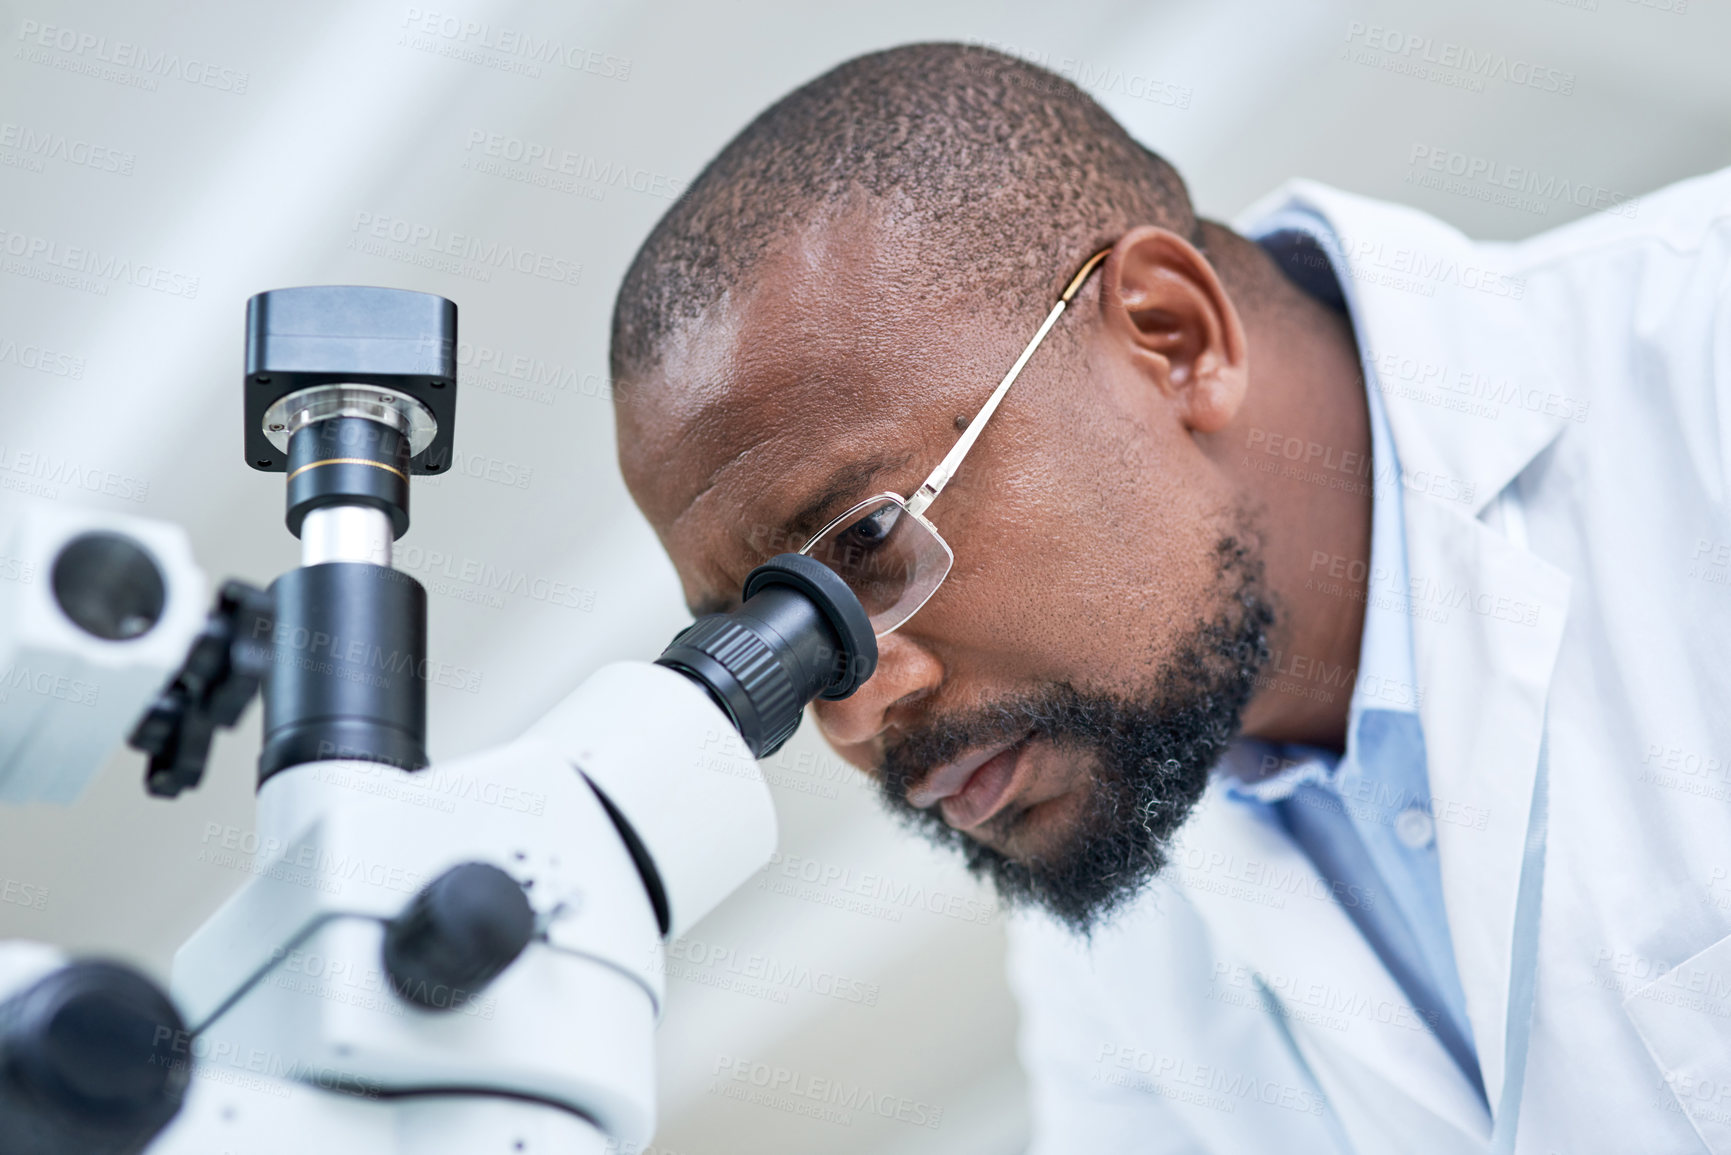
(1414, 828)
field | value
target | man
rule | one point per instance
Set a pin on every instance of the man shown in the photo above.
(1331, 664)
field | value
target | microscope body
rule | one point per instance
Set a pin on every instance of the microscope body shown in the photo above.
(287, 980)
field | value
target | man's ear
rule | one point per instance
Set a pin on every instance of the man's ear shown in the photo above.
(1162, 299)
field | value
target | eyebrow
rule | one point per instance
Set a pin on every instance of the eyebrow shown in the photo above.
(850, 482)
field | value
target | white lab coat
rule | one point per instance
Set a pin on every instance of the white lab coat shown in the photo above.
(1572, 392)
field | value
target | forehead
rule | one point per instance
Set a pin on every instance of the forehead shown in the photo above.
(836, 373)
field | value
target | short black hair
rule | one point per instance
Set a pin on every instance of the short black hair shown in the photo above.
(1010, 173)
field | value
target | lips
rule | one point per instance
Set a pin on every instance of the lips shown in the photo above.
(970, 789)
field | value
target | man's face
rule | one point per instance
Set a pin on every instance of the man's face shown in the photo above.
(1053, 710)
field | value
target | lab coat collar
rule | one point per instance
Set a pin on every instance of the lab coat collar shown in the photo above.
(1442, 323)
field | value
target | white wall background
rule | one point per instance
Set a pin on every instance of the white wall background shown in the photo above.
(352, 113)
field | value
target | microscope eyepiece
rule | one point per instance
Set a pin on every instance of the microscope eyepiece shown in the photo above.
(801, 634)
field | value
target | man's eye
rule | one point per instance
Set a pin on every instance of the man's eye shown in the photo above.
(875, 528)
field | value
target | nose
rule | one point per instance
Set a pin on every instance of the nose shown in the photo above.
(906, 672)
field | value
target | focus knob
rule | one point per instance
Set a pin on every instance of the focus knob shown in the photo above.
(88, 1062)
(457, 935)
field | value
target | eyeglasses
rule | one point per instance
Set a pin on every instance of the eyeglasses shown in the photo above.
(892, 558)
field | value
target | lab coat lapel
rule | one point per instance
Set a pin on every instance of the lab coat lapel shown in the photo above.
(1487, 623)
(1277, 917)
(1443, 332)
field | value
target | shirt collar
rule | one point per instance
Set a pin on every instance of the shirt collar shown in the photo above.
(1385, 668)
(1386, 679)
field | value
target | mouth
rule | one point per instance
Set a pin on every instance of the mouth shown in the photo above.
(972, 788)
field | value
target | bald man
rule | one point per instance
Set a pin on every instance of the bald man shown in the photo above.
(1275, 635)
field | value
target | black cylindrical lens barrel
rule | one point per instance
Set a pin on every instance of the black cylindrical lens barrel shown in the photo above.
(109, 585)
(348, 461)
(801, 634)
(348, 679)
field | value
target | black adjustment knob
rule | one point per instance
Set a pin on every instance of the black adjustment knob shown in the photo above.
(222, 671)
(457, 935)
(93, 1059)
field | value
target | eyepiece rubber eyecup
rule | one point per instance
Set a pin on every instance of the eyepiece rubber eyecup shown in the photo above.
(801, 634)
(857, 644)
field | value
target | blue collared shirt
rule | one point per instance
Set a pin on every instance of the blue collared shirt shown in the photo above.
(1365, 818)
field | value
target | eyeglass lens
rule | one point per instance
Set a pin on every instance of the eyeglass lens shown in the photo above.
(890, 559)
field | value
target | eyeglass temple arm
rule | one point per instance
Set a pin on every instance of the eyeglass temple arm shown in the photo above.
(940, 477)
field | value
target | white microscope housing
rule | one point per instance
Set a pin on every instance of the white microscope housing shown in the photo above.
(287, 980)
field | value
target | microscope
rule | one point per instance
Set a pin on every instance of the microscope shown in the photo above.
(483, 975)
